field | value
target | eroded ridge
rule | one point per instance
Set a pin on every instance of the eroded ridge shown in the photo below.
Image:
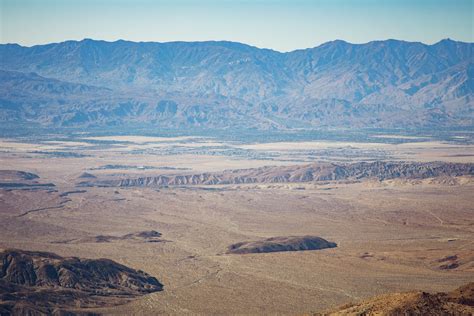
(305, 173)
(33, 282)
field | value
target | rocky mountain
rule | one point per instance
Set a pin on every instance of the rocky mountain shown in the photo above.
(231, 85)
(297, 173)
(57, 284)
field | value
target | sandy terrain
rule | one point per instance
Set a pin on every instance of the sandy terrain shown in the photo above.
(392, 236)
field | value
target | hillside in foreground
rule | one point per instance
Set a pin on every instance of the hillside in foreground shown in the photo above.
(457, 302)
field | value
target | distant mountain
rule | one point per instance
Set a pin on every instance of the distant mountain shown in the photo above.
(316, 172)
(231, 85)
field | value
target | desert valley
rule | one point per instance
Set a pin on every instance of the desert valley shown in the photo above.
(236, 157)
(207, 225)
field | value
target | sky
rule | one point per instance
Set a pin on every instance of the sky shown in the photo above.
(283, 25)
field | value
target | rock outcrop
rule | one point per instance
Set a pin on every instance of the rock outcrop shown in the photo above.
(143, 236)
(278, 244)
(14, 179)
(33, 283)
(457, 302)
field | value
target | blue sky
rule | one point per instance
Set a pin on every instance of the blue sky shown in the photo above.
(282, 25)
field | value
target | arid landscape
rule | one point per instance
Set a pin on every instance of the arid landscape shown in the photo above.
(236, 157)
(232, 227)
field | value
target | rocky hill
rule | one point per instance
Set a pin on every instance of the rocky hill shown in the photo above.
(14, 179)
(279, 244)
(232, 85)
(37, 283)
(299, 173)
(457, 302)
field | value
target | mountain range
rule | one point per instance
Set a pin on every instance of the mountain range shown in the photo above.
(222, 85)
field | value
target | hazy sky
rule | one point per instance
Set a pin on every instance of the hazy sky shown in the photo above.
(279, 24)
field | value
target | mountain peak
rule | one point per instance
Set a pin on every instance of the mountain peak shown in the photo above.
(449, 42)
(446, 40)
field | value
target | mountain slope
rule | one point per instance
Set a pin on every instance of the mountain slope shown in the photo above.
(457, 302)
(231, 85)
(43, 283)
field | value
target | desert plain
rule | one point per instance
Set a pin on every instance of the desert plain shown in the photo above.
(392, 235)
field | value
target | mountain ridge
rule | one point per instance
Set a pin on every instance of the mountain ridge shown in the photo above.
(310, 173)
(223, 84)
(443, 40)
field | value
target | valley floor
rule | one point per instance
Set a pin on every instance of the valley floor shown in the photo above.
(394, 235)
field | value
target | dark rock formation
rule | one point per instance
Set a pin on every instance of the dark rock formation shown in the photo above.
(87, 175)
(14, 175)
(144, 236)
(13, 179)
(449, 262)
(34, 283)
(277, 244)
